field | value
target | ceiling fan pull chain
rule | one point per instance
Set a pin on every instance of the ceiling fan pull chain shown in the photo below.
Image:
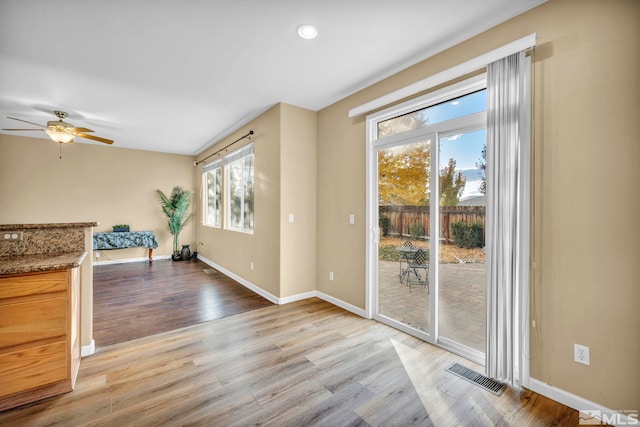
(60, 146)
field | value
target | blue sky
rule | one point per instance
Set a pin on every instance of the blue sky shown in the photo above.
(465, 148)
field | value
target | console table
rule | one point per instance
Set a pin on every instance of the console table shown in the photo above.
(126, 239)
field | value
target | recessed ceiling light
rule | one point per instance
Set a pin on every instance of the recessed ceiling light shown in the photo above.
(307, 31)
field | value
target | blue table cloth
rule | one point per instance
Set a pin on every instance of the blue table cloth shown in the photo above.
(128, 239)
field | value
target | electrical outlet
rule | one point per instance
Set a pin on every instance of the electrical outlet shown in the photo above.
(251, 265)
(16, 236)
(581, 354)
(331, 275)
(97, 255)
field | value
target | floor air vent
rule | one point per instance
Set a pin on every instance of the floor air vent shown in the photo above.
(486, 383)
(209, 271)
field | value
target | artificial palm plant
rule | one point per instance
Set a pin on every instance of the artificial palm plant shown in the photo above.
(175, 207)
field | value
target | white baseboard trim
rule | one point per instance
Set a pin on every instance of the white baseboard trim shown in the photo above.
(298, 297)
(292, 298)
(127, 260)
(578, 403)
(328, 298)
(88, 350)
(258, 290)
(342, 304)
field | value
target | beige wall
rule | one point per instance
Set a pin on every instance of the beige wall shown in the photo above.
(298, 185)
(586, 237)
(90, 183)
(234, 250)
(283, 253)
(585, 245)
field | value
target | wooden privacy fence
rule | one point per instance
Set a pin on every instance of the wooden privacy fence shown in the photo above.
(403, 218)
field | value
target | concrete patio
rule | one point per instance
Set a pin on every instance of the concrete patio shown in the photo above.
(462, 301)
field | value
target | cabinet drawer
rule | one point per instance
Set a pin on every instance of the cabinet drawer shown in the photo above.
(33, 284)
(32, 367)
(28, 321)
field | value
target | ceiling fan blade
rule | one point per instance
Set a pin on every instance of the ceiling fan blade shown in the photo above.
(95, 138)
(20, 120)
(22, 130)
(78, 130)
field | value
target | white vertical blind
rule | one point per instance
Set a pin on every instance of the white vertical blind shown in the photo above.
(508, 156)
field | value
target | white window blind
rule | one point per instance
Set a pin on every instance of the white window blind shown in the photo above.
(211, 166)
(238, 154)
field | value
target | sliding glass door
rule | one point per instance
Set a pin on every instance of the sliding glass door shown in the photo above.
(426, 202)
(462, 270)
(403, 202)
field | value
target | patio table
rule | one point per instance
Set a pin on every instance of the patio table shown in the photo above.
(408, 253)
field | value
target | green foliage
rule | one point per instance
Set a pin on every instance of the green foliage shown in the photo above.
(388, 253)
(175, 207)
(383, 222)
(416, 230)
(451, 185)
(467, 235)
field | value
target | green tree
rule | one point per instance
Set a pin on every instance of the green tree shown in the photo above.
(403, 175)
(451, 185)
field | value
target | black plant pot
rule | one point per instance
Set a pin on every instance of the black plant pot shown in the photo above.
(185, 253)
(176, 256)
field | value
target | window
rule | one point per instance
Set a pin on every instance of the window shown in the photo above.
(450, 109)
(212, 177)
(239, 189)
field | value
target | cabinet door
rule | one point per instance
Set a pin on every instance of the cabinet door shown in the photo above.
(32, 320)
(32, 367)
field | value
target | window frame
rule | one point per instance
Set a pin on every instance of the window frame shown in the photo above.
(437, 130)
(240, 155)
(212, 168)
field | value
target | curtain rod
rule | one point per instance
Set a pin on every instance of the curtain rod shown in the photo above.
(223, 148)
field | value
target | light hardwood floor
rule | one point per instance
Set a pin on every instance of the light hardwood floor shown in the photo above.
(299, 364)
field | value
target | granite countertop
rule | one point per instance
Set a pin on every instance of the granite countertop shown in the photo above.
(50, 225)
(40, 262)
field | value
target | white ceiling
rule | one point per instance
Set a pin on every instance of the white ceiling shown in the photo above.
(177, 76)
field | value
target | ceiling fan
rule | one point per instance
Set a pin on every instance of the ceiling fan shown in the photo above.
(60, 131)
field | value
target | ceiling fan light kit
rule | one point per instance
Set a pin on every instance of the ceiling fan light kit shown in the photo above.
(62, 132)
(61, 137)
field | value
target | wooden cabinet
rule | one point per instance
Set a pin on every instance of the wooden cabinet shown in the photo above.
(39, 335)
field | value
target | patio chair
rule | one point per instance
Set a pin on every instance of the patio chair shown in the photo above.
(403, 258)
(419, 264)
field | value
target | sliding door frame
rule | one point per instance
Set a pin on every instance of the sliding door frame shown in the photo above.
(434, 132)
